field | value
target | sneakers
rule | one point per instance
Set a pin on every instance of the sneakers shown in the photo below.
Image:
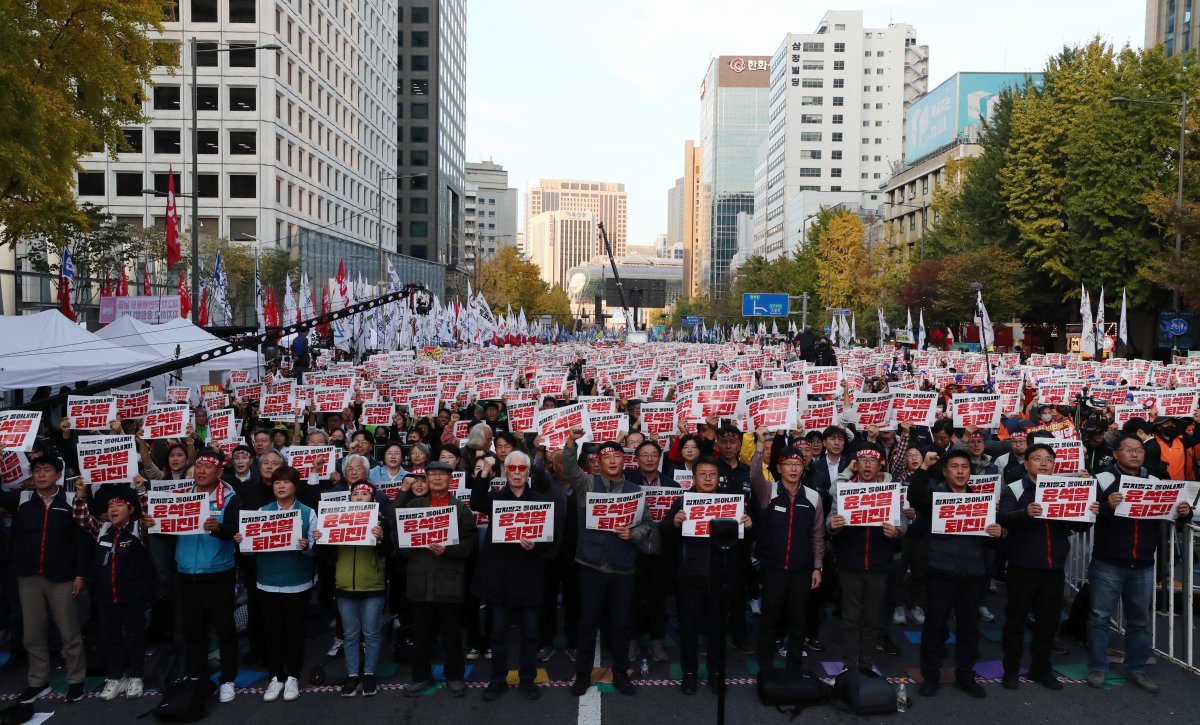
(688, 686)
(350, 687)
(885, 644)
(473, 654)
(657, 652)
(369, 686)
(29, 694)
(74, 692)
(579, 687)
(457, 688)
(416, 687)
(570, 653)
(291, 689)
(135, 689)
(274, 690)
(621, 683)
(970, 686)
(918, 615)
(113, 689)
(634, 650)
(226, 692)
(813, 644)
(986, 614)
(529, 690)
(1096, 679)
(898, 615)
(544, 654)
(494, 690)
(1142, 680)
(335, 649)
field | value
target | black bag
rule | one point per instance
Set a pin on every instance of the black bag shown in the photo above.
(164, 666)
(1076, 624)
(865, 692)
(186, 700)
(791, 688)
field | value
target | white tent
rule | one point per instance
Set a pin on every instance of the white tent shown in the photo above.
(177, 338)
(49, 349)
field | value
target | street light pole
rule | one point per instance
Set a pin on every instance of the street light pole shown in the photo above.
(195, 185)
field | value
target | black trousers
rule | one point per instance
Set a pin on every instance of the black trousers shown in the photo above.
(739, 586)
(607, 598)
(432, 620)
(255, 628)
(562, 574)
(526, 618)
(284, 633)
(207, 600)
(650, 592)
(862, 600)
(699, 611)
(1031, 590)
(945, 595)
(123, 627)
(786, 599)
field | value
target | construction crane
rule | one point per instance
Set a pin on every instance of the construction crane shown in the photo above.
(629, 321)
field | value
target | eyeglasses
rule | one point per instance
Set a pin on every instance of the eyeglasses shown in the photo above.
(1042, 459)
(517, 468)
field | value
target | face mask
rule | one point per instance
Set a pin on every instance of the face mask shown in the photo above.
(1047, 417)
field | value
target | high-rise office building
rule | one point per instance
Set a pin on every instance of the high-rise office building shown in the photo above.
(607, 202)
(683, 215)
(491, 212)
(1172, 23)
(838, 97)
(431, 128)
(560, 240)
(733, 123)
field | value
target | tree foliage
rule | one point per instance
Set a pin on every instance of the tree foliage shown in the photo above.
(237, 258)
(505, 279)
(72, 73)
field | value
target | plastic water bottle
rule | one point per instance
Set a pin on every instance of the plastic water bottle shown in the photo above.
(901, 699)
(645, 670)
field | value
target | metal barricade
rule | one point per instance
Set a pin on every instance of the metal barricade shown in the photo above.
(1173, 623)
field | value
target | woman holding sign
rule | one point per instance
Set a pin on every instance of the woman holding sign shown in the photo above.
(285, 582)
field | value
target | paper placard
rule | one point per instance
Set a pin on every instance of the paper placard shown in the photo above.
(1066, 498)
(165, 420)
(18, 429)
(658, 419)
(264, 531)
(702, 508)
(981, 410)
(173, 485)
(918, 408)
(91, 412)
(607, 426)
(869, 504)
(515, 520)
(1068, 455)
(771, 409)
(346, 523)
(307, 459)
(611, 511)
(963, 513)
(1146, 498)
(421, 527)
(555, 424)
(988, 483)
(132, 404)
(14, 469)
(176, 514)
(107, 459)
(658, 500)
(378, 414)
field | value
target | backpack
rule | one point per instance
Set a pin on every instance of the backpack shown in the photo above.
(865, 693)
(790, 690)
(165, 666)
(186, 700)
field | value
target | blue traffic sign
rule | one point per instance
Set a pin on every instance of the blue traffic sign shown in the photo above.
(691, 320)
(764, 304)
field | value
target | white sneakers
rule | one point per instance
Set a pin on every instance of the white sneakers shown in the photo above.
(898, 615)
(113, 689)
(290, 690)
(135, 689)
(918, 615)
(227, 692)
(335, 648)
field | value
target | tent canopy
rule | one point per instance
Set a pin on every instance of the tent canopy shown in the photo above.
(177, 338)
(49, 349)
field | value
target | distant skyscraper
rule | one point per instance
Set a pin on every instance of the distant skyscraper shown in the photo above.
(491, 212)
(1172, 23)
(607, 201)
(560, 240)
(733, 122)
(683, 216)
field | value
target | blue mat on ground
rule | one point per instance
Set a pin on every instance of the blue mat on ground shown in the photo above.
(245, 678)
(915, 637)
(439, 673)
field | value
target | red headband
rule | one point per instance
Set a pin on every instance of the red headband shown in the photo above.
(211, 459)
(870, 453)
(791, 457)
(363, 487)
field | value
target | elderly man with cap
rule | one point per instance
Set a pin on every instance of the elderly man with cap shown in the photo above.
(49, 555)
(436, 585)
(207, 576)
(608, 561)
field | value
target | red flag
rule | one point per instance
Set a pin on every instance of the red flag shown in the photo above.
(271, 310)
(146, 282)
(203, 313)
(65, 277)
(172, 221)
(185, 304)
(343, 291)
(123, 284)
(323, 328)
(106, 289)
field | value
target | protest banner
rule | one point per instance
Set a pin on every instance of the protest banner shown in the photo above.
(165, 420)
(659, 499)
(771, 409)
(869, 504)
(132, 403)
(516, 520)
(279, 405)
(821, 380)
(1065, 498)
(331, 400)
(335, 496)
(264, 531)
(379, 414)
(347, 523)
(18, 429)
(963, 513)
(658, 419)
(981, 410)
(91, 412)
(869, 409)
(716, 398)
(172, 485)
(521, 415)
(1054, 393)
(176, 514)
(689, 371)
(239, 377)
(611, 511)
(1122, 414)
(1145, 498)
(221, 426)
(489, 388)
(607, 426)
(1176, 404)
(702, 508)
(1068, 455)
(307, 459)
(107, 459)
(422, 404)
(599, 404)
(420, 527)
(556, 423)
(819, 415)
(179, 394)
(915, 407)
(14, 469)
(988, 483)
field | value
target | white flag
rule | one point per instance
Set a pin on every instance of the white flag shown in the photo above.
(884, 330)
(258, 296)
(1122, 331)
(853, 329)
(987, 336)
(921, 332)
(1087, 332)
(1100, 324)
(908, 323)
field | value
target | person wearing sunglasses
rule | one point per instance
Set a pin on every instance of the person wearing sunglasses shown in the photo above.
(510, 577)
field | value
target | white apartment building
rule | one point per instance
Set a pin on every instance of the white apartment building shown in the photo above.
(490, 214)
(836, 121)
(607, 201)
(559, 240)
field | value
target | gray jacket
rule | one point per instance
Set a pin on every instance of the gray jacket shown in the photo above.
(604, 550)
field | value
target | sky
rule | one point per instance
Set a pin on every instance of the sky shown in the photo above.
(609, 90)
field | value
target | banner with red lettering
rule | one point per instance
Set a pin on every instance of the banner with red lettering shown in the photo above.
(599, 404)
(1068, 455)
(771, 409)
(18, 429)
(819, 415)
(221, 426)
(423, 404)
(869, 504)
(1122, 414)
(132, 404)
(14, 469)
(658, 419)
(91, 412)
(869, 409)
(702, 508)
(347, 523)
(176, 514)
(716, 398)
(554, 424)
(607, 426)
(1066, 498)
(981, 410)
(107, 459)
(1145, 498)
(516, 520)
(378, 414)
(179, 394)
(963, 513)
(239, 377)
(1176, 404)
(165, 420)
(307, 459)
(821, 381)
(611, 511)
(173, 485)
(264, 531)
(419, 527)
(331, 400)
(659, 500)
(1054, 393)
(521, 415)
(915, 407)
(988, 483)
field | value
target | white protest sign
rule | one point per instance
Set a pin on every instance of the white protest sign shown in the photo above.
(611, 511)
(264, 531)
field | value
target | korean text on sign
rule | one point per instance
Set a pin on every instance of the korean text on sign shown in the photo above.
(659, 500)
(91, 413)
(107, 459)
(702, 508)
(516, 520)
(1066, 498)
(347, 523)
(264, 531)
(981, 410)
(611, 511)
(176, 513)
(1144, 498)
(963, 513)
(426, 526)
(18, 429)
(869, 504)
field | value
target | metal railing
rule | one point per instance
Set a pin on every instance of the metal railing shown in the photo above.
(1174, 600)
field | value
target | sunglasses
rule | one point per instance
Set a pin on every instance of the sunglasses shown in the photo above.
(518, 468)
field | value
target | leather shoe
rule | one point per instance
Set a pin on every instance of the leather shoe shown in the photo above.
(970, 686)
(580, 686)
(688, 686)
(622, 684)
(1047, 680)
(929, 687)
(1010, 682)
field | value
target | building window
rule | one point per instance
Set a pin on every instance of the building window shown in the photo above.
(837, 137)
(811, 100)
(836, 154)
(879, 88)
(418, 229)
(812, 83)
(419, 110)
(129, 184)
(206, 55)
(242, 55)
(418, 182)
(419, 205)
(924, 185)
(418, 157)
(866, 54)
(839, 82)
(810, 154)
(418, 88)
(419, 39)
(166, 98)
(420, 62)
(878, 71)
(91, 183)
(813, 65)
(243, 98)
(839, 100)
(837, 119)
(207, 142)
(242, 11)
(243, 142)
(166, 141)
(878, 124)
(878, 141)
(208, 98)
(419, 15)
(418, 134)
(812, 136)
(243, 227)
(204, 11)
(133, 139)
(814, 47)
(839, 47)
(809, 171)
(160, 182)
(208, 185)
(810, 118)
(835, 173)
(839, 65)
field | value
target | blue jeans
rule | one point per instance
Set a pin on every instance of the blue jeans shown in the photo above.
(1135, 589)
(361, 618)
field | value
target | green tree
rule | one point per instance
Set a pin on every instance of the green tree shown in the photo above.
(505, 279)
(72, 73)
(238, 261)
(1005, 285)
